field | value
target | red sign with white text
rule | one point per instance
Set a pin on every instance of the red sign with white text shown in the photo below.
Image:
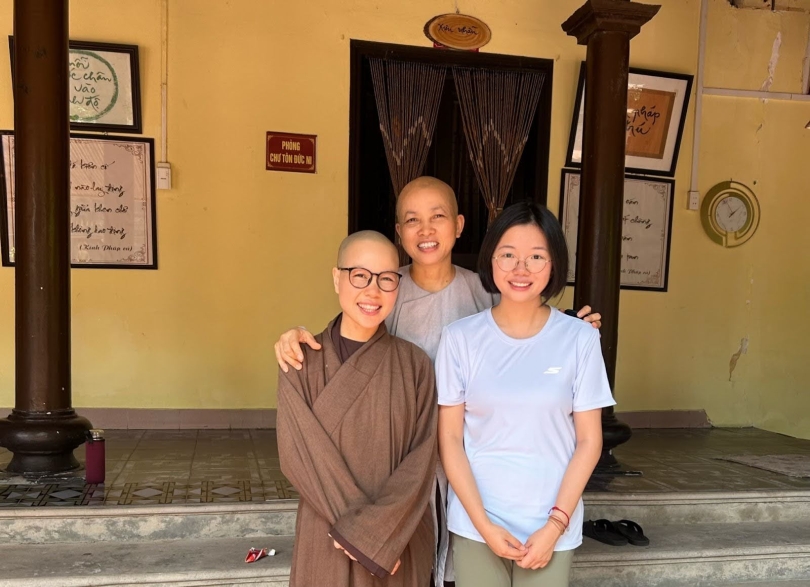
(290, 152)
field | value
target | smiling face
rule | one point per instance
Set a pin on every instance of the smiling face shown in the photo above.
(428, 222)
(365, 309)
(519, 285)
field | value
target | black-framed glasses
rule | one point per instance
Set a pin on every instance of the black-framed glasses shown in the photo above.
(509, 262)
(361, 278)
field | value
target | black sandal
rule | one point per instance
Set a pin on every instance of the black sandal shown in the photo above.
(604, 531)
(632, 531)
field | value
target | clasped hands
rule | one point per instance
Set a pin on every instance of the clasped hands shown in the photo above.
(347, 553)
(535, 554)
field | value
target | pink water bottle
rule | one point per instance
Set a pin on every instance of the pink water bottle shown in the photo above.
(94, 457)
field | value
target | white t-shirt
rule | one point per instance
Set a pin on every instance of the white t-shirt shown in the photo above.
(519, 397)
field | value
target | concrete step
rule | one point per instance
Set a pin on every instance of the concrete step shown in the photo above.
(698, 540)
(146, 523)
(236, 520)
(700, 508)
(799, 583)
(188, 563)
(705, 555)
(699, 555)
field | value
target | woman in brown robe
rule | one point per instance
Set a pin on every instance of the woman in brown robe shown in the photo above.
(357, 437)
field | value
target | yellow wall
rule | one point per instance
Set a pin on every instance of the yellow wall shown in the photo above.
(675, 350)
(245, 253)
(765, 288)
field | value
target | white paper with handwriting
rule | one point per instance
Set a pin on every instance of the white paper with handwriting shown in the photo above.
(646, 224)
(111, 200)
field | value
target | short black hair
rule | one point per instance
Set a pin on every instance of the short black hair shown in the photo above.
(520, 214)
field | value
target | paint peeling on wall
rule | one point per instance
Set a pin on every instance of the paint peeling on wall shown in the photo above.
(777, 44)
(732, 364)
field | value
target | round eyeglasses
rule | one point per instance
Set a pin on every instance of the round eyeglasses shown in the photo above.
(361, 278)
(509, 262)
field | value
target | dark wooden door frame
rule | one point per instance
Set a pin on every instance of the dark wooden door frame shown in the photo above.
(362, 49)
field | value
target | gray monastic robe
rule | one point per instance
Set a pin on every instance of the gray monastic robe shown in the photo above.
(419, 317)
(358, 441)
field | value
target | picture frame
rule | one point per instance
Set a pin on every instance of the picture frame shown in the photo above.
(113, 222)
(105, 88)
(657, 104)
(646, 232)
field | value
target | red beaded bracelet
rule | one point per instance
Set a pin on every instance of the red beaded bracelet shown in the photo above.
(567, 517)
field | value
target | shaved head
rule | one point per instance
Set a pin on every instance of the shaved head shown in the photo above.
(366, 236)
(425, 183)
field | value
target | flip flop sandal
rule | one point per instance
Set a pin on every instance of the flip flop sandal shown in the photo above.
(604, 531)
(632, 531)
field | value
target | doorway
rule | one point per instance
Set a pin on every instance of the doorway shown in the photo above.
(371, 197)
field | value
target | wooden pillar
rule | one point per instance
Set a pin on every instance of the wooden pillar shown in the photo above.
(606, 27)
(42, 430)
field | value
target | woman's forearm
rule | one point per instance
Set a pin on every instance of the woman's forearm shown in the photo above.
(577, 473)
(459, 475)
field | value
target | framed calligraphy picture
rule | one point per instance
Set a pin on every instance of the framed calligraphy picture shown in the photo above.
(112, 202)
(646, 228)
(657, 102)
(105, 90)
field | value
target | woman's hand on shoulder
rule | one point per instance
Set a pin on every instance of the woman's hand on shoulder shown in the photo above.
(592, 318)
(502, 543)
(288, 348)
(540, 547)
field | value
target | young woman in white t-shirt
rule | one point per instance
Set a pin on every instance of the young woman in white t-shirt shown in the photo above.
(521, 387)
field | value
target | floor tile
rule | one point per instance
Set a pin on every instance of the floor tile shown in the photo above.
(220, 462)
(223, 476)
(147, 455)
(170, 435)
(128, 478)
(269, 463)
(224, 435)
(168, 438)
(271, 474)
(117, 444)
(156, 467)
(124, 434)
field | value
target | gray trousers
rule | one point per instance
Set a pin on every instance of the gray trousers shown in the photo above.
(477, 566)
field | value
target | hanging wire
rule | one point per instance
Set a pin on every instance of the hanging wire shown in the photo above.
(497, 110)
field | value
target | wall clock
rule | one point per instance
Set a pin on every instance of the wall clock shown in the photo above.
(730, 214)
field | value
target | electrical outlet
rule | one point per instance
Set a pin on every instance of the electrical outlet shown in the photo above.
(694, 200)
(164, 176)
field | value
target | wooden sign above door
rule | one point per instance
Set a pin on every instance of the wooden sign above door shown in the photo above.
(458, 31)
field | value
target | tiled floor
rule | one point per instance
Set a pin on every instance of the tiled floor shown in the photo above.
(687, 460)
(151, 467)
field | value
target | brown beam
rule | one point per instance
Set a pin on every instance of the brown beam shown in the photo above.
(43, 429)
(606, 27)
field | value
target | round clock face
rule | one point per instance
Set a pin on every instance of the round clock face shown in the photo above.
(730, 214)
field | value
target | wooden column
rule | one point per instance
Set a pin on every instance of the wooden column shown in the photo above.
(606, 27)
(42, 430)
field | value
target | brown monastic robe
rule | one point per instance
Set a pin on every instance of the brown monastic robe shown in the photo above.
(358, 441)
